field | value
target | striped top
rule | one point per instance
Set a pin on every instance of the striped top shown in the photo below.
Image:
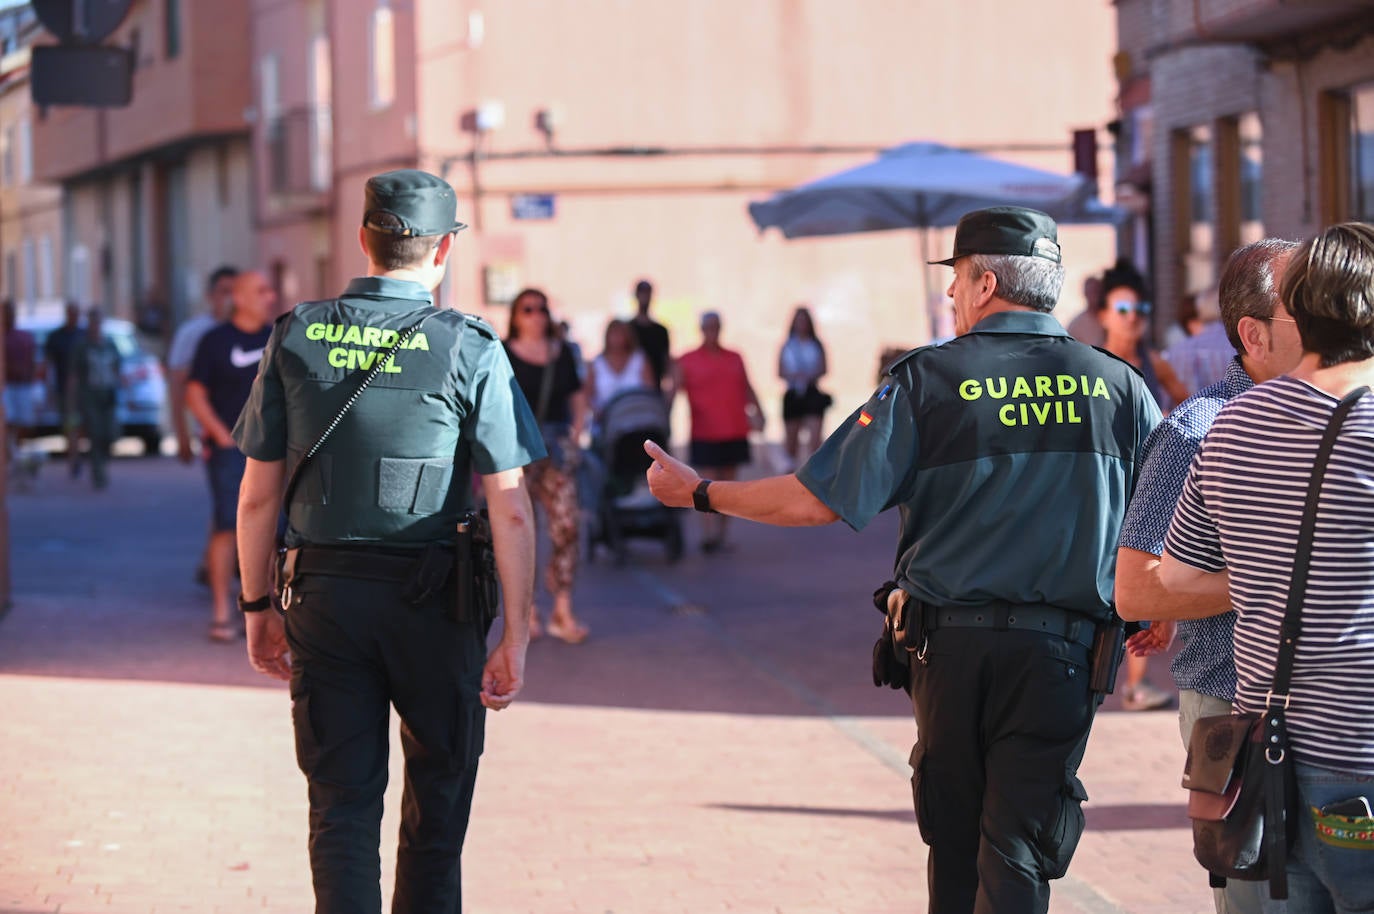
(1241, 508)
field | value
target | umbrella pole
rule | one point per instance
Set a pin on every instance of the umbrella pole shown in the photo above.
(931, 318)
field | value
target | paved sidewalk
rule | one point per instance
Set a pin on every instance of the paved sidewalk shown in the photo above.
(729, 757)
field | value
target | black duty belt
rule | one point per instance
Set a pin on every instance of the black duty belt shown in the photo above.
(1033, 617)
(353, 562)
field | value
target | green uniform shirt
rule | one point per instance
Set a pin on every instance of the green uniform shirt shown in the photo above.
(1011, 453)
(398, 468)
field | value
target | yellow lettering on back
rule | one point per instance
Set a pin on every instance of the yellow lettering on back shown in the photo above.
(1042, 412)
(994, 390)
(338, 358)
(314, 332)
(1073, 413)
(372, 336)
(1100, 389)
(970, 389)
(1042, 385)
(1021, 388)
(419, 341)
(1008, 419)
(333, 332)
(1067, 385)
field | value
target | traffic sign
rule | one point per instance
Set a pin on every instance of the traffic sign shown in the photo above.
(75, 75)
(81, 21)
(532, 206)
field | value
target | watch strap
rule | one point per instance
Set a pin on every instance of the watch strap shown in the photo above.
(700, 500)
(261, 604)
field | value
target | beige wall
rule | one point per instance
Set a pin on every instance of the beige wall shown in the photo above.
(714, 73)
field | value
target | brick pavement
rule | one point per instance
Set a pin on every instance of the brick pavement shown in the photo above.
(729, 760)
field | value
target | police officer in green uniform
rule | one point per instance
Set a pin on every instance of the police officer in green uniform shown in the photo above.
(368, 620)
(1011, 453)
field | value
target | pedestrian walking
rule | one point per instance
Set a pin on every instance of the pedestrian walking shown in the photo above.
(993, 445)
(724, 411)
(219, 303)
(1234, 541)
(57, 353)
(801, 365)
(369, 582)
(96, 380)
(217, 387)
(23, 387)
(1266, 345)
(547, 374)
(653, 336)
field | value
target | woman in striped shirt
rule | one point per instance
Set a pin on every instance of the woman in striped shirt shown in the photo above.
(1236, 527)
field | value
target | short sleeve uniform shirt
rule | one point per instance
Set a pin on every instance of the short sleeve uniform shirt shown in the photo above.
(1010, 452)
(398, 467)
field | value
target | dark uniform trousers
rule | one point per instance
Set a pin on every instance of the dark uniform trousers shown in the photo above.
(357, 648)
(1002, 721)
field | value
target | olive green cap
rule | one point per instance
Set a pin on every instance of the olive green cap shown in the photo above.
(421, 203)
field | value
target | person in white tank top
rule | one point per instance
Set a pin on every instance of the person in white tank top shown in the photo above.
(620, 367)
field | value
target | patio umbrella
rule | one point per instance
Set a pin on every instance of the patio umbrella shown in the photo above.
(924, 186)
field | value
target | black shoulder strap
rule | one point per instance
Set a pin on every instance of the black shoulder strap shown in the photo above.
(1302, 562)
(377, 368)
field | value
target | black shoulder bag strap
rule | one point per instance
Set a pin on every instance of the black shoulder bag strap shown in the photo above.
(377, 368)
(1275, 731)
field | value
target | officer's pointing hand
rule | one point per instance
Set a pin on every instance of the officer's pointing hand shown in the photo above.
(671, 480)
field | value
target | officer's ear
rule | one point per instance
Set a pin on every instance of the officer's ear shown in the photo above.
(362, 242)
(443, 249)
(985, 288)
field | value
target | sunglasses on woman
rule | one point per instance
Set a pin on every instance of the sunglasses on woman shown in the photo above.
(1125, 307)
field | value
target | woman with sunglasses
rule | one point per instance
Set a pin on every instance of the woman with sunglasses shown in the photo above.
(547, 375)
(1124, 317)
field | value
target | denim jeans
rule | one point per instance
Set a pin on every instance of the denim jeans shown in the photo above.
(1323, 879)
(1239, 897)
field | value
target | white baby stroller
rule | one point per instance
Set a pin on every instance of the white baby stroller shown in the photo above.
(622, 507)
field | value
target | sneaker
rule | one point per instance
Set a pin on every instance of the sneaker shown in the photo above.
(1145, 697)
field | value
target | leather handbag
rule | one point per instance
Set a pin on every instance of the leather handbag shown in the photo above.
(1242, 792)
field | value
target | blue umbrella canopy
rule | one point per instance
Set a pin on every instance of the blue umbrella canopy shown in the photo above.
(924, 185)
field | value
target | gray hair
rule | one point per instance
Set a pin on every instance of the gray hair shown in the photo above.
(1247, 287)
(1032, 282)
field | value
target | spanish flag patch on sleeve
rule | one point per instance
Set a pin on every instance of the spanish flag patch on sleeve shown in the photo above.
(864, 418)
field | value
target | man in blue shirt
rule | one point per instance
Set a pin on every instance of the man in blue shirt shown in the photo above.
(221, 377)
(1267, 345)
(1010, 452)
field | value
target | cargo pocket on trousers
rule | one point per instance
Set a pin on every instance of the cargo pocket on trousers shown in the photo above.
(918, 788)
(307, 746)
(1060, 839)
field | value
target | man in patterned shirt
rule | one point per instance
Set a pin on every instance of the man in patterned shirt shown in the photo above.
(1267, 345)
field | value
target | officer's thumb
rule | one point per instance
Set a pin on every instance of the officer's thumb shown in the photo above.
(653, 450)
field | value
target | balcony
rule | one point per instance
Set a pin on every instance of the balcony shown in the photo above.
(299, 156)
(1263, 21)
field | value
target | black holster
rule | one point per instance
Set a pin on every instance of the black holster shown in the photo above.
(891, 657)
(1109, 647)
(477, 586)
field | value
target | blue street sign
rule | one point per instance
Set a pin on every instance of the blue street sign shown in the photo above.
(531, 206)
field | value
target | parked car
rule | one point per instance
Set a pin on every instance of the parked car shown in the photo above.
(143, 388)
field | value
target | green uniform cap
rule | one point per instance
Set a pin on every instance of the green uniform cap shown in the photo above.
(421, 204)
(1013, 230)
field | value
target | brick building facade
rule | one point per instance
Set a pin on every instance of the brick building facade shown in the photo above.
(1241, 119)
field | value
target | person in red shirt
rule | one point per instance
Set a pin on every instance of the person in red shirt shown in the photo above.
(724, 411)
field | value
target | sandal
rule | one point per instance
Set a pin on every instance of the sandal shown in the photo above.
(223, 632)
(574, 633)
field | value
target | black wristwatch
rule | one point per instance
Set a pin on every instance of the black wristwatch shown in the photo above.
(261, 604)
(700, 500)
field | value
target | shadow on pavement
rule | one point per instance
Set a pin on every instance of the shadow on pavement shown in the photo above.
(783, 625)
